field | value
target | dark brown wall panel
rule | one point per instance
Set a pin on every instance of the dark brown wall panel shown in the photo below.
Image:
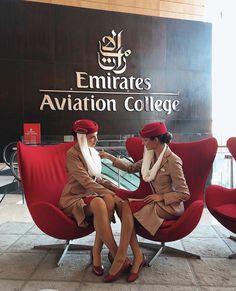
(42, 46)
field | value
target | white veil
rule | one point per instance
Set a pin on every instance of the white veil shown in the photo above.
(90, 155)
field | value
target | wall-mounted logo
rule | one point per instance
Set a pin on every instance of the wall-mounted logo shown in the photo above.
(93, 92)
(111, 56)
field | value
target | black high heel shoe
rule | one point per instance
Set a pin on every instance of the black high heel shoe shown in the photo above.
(97, 270)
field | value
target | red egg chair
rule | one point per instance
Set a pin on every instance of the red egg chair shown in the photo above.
(197, 157)
(231, 144)
(221, 201)
(43, 176)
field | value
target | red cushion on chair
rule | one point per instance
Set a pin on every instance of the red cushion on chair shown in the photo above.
(167, 223)
(227, 210)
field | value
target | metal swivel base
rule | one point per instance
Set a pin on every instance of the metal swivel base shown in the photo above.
(162, 248)
(65, 247)
(233, 256)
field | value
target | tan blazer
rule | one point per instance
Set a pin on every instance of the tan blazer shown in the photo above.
(80, 184)
(170, 182)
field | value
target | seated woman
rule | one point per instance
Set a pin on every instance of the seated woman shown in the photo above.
(86, 193)
(163, 170)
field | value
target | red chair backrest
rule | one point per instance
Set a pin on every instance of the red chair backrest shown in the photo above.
(43, 171)
(197, 157)
(231, 144)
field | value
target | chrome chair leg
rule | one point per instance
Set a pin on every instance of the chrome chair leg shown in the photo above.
(233, 256)
(67, 246)
(233, 238)
(162, 248)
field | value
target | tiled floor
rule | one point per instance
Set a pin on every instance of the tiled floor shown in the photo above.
(27, 269)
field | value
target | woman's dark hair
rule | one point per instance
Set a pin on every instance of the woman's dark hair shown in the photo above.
(73, 133)
(164, 138)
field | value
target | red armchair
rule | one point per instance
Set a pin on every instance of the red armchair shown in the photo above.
(231, 144)
(221, 201)
(197, 160)
(43, 176)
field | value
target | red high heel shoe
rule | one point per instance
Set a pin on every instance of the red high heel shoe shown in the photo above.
(111, 260)
(134, 276)
(97, 270)
(110, 278)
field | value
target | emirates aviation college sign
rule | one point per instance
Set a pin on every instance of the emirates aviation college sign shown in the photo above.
(113, 60)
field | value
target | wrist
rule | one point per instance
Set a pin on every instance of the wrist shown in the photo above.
(161, 197)
(112, 158)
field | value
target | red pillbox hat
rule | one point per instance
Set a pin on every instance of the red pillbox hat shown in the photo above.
(153, 129)
(85, 126)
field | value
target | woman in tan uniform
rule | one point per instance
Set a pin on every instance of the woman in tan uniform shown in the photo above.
(87, 194)
(163, 170)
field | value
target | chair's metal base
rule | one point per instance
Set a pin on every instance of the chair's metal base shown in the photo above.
(162, 248)
(233, 256)
(233, 237)
(67, 246)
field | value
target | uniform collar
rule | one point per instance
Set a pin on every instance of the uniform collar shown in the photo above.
(167, 153)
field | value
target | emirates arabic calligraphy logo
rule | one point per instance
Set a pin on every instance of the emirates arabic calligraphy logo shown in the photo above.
(111, 56)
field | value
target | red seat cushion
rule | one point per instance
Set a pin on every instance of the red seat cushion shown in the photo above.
(227, 210)
(167, 223)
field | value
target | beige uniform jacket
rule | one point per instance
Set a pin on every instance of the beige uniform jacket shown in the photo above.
(80, 184)
(170, 182)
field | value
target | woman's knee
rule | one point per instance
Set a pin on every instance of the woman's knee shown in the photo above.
(125, 205)
(110, 202)
(126, 211)
(97, 204)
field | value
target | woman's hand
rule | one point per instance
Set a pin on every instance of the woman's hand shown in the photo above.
(105, 155)
(153, 198)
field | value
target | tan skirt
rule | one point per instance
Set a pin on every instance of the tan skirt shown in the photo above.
(150, 216)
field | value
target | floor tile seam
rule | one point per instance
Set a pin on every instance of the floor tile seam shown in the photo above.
(28, 252)
(41, 280)
(220, 258)
(46, 280)
(54, 281)
(36, 234)
(48, 251)
(155, 284)
(20, 236)
(18, 221)
(199, 284)
(24, 234)
(12, 233)
(225, 288)
(213, 257)
(220, 235)
(33, 226)
(18, 289)
(218, 238)
(194, 277)
(232, 251)
(36, 267)
(22, 286)
(201, 237)
(223, 240)
(26, 281)
(16, 233)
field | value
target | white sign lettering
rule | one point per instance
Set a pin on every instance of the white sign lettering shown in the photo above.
(112, 58)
